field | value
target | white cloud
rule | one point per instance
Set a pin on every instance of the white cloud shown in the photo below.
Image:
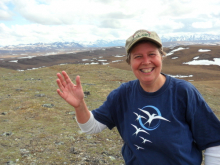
(5, 15)
(68, 12)
(33, 33)
(176, 8)
(216, 23)
(111, 23)
(202, 24)
(3, 4)
(3, 29)
(68, 20)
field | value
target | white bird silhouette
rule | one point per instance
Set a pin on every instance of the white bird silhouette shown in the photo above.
(145, 140)
(138, 130)
(152, 117)
(139, 116)
(138, 147)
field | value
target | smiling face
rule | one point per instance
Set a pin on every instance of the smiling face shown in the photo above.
(146, 64)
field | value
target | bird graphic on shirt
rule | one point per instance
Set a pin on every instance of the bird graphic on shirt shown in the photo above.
(138, 147)
(145, 140)
(138, 130)
(152, 117)
(139, 116)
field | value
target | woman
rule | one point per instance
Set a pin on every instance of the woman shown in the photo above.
(162, 120)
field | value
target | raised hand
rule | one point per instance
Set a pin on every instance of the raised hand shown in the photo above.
(71, 93)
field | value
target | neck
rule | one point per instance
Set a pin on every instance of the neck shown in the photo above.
(154, 86)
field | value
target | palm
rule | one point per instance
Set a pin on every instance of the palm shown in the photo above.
(71, 93)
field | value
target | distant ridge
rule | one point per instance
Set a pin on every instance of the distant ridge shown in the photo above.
(168, 40)
(191, 37)
(104, 43)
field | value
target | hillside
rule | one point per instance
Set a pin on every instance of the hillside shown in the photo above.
(38, 127)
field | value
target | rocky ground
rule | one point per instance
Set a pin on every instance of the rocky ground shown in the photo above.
(38, 127)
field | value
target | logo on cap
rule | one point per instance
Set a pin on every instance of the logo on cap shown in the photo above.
(141, 33)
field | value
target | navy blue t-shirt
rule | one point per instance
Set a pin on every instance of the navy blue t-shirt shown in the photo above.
(168, 127)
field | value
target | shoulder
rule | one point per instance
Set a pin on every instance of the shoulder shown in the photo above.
(127, 86)
(184, 88)
(181, 84)
(123, 89)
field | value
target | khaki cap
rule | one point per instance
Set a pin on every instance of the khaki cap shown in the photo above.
(142, 35)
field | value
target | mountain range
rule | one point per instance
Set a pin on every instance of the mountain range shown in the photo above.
(168, 41)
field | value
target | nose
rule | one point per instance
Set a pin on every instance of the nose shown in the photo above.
(146, 60)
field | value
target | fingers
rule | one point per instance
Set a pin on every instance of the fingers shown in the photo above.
(78, 82)
(60, 93)
(66, 77)
(63, 82)
(60, 85)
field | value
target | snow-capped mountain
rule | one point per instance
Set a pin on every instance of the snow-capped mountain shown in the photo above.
(52, 45)
(190, 37)
(194, 38)
(165, 38)
(103, 43)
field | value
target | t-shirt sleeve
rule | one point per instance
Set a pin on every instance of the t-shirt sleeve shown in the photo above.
(105, 114)
(205, 126)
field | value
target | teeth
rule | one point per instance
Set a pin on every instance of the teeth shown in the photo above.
(146, 70)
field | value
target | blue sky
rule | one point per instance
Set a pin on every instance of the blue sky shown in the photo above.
(31, 21)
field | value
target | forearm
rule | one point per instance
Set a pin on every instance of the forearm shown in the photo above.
(82, 112)
(92, 125)
(212, 156)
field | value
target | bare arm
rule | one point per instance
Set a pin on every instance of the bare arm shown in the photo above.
(73, 94)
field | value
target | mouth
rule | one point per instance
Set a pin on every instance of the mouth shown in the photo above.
(147, 70)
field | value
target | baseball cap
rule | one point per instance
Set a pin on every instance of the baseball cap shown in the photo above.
(142, 35)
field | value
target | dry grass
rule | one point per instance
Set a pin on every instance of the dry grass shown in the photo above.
(49, 133)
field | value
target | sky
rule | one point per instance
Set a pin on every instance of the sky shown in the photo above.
(33, 21)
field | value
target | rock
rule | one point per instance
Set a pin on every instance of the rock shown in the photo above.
(80, 132)
(31, 79)
(19, 89)
(7, 133)
(104, 153)
(86, 93)
(59, 143)
(72, 150)
(48, 105)
(28, 79)
(112, 158)
(33, 163)
(89, 137)
(10, 163)
(40, 95)
(4, 113)
(15, 109)
(5, 120)
(72, 137)
(71, 113)
(24, 152)
(95, 161)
